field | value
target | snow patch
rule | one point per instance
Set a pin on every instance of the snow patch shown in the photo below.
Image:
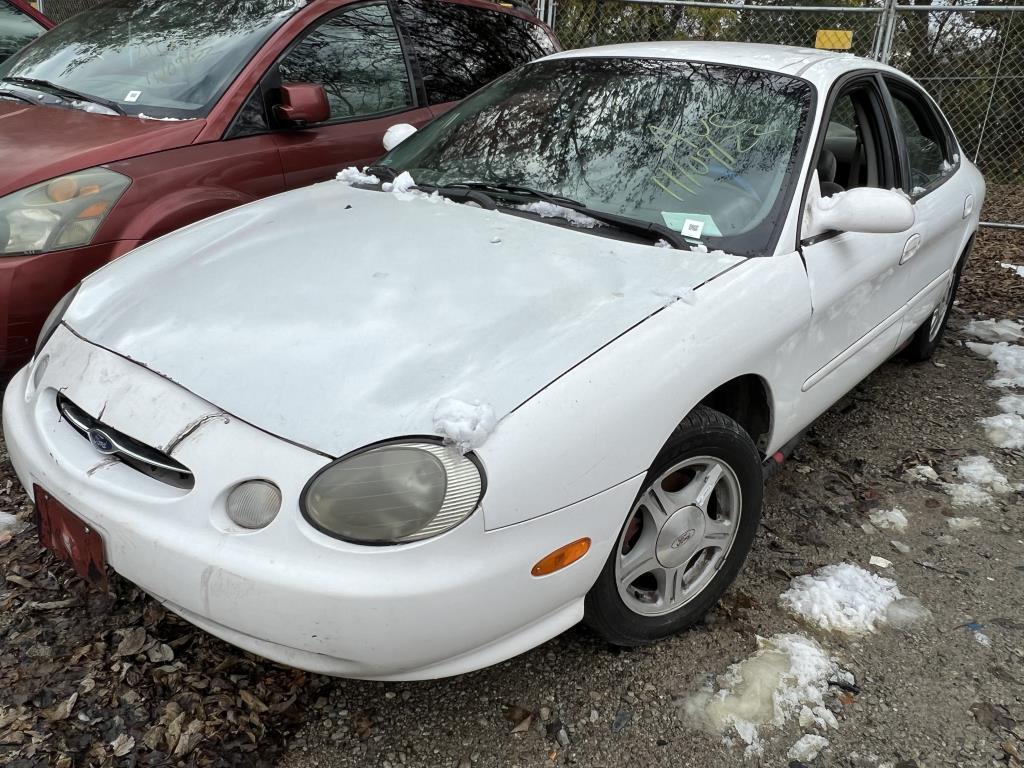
(922, 473)
(963, 523)
(894, 519)
(995, 330)
(787, 677)
(807, 748)
(1012, 404)
(1005, 430)
(1018, 268)
(396, 134)
(551, 211)
(967, 495)
(8, 522)
(1009, 359)
(465, 425)
(979, 470)
(353, 175)
(841, 598)
(143, 116)
(402, 184)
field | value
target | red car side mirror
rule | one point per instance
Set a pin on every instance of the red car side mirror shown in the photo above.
(303, 104)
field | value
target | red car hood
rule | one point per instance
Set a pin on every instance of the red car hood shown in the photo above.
(39, 143)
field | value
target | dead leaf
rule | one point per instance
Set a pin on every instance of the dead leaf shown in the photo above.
(122, 745)
(252, 701)
(61, 711)
(189, 739)
(160, 652)
(132, 642)
(524, 725)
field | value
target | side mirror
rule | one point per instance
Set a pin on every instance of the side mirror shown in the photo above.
(864, 209)
(303, 104)
(396, 134)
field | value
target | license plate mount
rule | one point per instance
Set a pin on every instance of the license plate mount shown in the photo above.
(70, 538)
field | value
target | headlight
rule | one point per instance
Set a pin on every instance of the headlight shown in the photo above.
(394, 493)
(54, 319)
(60, 213)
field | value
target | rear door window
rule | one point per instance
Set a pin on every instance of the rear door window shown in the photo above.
(357, 57)
(929, 149)
(461, 48)
(17, 30)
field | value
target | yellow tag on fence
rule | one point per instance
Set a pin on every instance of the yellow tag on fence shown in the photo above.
(834, 39)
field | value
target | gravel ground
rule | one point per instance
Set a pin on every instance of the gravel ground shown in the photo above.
(90, 679)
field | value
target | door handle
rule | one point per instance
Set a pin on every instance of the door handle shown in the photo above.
(911, 248)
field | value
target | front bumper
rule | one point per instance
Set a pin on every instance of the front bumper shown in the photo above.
(445, 606)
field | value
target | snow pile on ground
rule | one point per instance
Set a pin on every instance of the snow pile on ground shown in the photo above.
(1019, 269)
(1005, 430)
(963, 523)
(980, 471)
(7, 522)
(967, 495)
(844, 598)
(1012, 404)
(465, 425)
(1009, 359)
(995, 330)
(551, 211)
(352, 175)
(787, 677)
(807, 747)
(922, 473)
(894, 519)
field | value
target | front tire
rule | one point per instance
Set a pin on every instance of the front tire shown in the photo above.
(686, 537)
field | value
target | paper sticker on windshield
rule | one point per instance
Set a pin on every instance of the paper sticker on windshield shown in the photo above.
(693, 225)
(133, 96)
(693, 228)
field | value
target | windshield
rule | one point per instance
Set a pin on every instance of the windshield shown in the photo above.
(707, 150)
(16, 29)
(152, 57)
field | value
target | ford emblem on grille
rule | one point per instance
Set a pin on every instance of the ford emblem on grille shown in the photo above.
(101, 442)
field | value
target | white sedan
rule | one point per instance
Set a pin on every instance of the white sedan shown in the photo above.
(531, 370)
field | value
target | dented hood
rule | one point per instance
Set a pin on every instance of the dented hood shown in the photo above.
(336, 317)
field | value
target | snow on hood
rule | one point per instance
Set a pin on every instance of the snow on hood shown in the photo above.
(335, 317)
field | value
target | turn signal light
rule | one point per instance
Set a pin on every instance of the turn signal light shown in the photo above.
(562, 557)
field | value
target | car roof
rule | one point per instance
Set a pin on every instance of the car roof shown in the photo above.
(820, 67)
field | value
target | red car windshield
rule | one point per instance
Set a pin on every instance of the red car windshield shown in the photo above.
(152, 57)
(17, 29)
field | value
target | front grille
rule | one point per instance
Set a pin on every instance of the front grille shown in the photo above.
(129, 451)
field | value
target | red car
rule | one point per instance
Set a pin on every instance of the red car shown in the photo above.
(142, 116)
(20, 24)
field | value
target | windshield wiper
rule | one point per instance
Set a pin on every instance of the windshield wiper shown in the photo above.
(65, 93)
(648, 229)
(382, 172)
(15, 97)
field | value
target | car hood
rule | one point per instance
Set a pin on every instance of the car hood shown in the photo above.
(335, 317)
(40, 143)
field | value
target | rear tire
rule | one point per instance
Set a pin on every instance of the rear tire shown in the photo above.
(927, 338)
(686, 537)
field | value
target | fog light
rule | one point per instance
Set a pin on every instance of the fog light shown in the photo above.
(254, 504)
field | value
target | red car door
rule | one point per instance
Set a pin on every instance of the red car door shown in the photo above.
(356, 54)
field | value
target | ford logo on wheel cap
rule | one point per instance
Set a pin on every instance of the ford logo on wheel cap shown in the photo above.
(101, 441)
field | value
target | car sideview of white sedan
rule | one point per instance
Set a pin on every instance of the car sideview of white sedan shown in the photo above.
(532, 369)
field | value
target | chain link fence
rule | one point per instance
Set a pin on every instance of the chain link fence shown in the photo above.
(970, 57)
